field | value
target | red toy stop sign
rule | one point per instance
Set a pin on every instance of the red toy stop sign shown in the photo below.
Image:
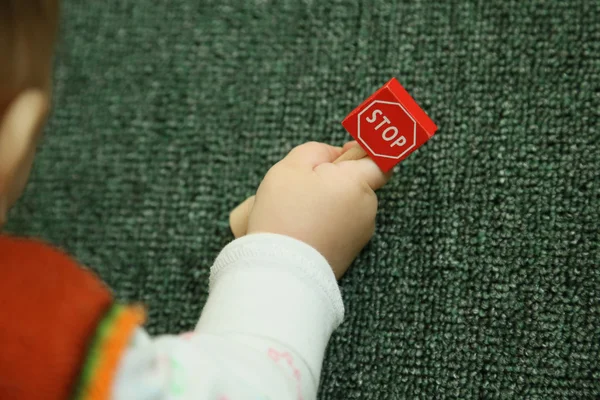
(389, 125)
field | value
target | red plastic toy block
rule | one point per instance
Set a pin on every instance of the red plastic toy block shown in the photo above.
(389, 125)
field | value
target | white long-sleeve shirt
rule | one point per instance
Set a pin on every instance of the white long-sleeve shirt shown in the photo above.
(273, 304)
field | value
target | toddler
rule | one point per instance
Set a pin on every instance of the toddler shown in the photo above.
(274, 300)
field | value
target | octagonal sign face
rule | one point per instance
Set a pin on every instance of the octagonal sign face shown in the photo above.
(386, 129)
(389, 125)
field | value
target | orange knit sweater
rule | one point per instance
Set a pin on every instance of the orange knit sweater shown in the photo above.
(61, 334)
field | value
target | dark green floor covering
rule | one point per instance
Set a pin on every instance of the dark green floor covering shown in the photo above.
(483, 280)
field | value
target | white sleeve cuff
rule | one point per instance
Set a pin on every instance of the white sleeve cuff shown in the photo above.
(277, 288)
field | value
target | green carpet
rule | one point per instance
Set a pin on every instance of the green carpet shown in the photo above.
(483, 279)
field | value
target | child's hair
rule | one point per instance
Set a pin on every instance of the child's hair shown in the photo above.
(27, 35)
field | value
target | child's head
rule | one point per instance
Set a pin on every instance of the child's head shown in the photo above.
(27, 35)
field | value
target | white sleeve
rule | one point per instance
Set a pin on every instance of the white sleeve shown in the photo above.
(273, 305)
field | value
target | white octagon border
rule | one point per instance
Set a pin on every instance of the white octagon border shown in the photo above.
(409, 116)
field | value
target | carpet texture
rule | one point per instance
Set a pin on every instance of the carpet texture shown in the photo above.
(483, 279)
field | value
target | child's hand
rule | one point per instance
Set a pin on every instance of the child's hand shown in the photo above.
(331, 207)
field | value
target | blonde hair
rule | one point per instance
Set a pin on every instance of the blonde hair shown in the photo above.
(27, 34)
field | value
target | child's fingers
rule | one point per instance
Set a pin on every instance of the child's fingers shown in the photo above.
(312, 154)
(366, 170)
(353, 153)
(309, 155)
(349, 145)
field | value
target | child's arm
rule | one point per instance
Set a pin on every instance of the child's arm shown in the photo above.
(274, 300)
(273, 305)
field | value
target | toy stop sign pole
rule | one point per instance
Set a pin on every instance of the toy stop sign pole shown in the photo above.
(389, 126)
